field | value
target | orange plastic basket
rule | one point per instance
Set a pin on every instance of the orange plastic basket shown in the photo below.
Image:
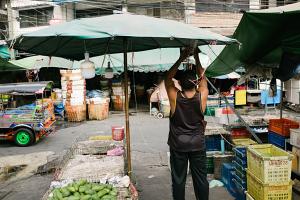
(282, 126)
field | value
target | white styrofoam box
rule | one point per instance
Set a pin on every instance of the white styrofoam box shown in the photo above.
(295, 137)
(292, 87)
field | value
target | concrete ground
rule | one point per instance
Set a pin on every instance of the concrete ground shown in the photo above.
(149, 158)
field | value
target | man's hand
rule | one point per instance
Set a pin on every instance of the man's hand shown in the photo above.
(186, 52)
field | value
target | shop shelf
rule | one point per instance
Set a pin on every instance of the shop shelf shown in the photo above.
(270, 163)
(282, 126)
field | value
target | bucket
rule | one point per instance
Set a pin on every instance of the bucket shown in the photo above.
(117, 133)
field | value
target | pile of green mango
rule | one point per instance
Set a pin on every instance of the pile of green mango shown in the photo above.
(83, 190)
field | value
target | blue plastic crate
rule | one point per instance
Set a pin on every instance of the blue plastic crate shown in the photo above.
(239, 191)
(242, 182)
(213, 143)
(241, 174)
(276, 139)
(240, 152)
(226, 173)
(231, 187)
(241, 162)
(239, 167)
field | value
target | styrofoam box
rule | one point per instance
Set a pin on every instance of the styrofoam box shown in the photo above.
(295, 137)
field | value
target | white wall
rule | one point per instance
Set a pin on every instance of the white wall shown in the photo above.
(254, 4)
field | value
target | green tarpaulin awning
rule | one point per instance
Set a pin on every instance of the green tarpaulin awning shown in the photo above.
(265, 35)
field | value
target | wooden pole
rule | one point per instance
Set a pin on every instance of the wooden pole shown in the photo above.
(128, 150)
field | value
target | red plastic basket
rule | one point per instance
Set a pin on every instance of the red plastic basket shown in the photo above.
(117, 133)
(282, 126)
(240, 133)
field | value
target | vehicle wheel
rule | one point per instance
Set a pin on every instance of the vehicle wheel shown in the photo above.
(24, 137)
(160, 115)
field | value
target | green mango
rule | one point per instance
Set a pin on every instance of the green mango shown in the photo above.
(90, 191)
(86, 197)
(82, 189)
(81, 182)
(72, 189)
(102, 193)
(65, 192)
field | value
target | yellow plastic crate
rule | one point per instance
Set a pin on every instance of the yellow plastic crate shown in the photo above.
(248, 196)
(243, 142)
(270, 163)
(274, 191)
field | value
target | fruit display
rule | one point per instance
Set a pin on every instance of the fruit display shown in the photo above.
(84, 190)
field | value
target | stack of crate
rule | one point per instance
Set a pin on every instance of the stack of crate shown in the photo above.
(240, 165)
(279, 131)
(268, 173)
(74, 94)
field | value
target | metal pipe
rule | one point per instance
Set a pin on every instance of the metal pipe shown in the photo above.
(128, 150)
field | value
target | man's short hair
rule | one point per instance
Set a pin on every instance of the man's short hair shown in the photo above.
(187, 79)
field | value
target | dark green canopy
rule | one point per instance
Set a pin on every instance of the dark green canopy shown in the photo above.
(265, 35)
(105, 35)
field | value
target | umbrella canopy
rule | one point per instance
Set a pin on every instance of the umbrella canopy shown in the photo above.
(104, 35)
(274, 33)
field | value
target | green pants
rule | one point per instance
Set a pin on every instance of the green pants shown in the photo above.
(179, 164)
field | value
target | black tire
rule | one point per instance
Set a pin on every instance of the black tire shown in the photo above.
(24, 137)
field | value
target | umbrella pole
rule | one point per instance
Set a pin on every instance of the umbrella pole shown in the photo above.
(128, 151)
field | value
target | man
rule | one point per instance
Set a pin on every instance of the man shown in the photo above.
(187, 125)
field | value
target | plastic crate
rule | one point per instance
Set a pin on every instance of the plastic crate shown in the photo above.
(242, 182)
(240, 133)
(239, 168)
(227, 168)
(240, 173)
(282, 126)
(241, 162)
(243, 142)
(277, 140)
(248, 196)
(240, 152)
(270, 163)
(295, 137)
(240, 190)
(213, 143)
(273, 191)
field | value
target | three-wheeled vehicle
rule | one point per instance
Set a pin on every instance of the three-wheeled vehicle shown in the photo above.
(26, 124)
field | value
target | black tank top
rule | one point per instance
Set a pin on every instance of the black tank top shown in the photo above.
(187, 125)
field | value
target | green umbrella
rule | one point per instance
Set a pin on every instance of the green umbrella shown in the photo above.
(119, 33)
